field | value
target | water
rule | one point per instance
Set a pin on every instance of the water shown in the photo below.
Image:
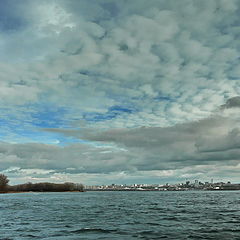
(120, 215)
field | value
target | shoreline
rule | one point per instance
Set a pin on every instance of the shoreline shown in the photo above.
(38, 192)
(192, 190)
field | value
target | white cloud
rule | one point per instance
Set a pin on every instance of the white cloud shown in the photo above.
(165, 62)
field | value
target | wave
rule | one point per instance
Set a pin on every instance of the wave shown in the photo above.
(93, 230)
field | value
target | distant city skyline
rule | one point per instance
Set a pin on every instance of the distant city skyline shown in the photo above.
(119, 91)
(196, 185)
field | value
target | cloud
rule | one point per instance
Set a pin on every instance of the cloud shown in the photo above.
(75, 158)
(232, 103)
(209, 142)
(201, 148)
(133, 53)
(117, 66)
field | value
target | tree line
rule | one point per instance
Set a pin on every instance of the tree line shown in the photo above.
(38, 187)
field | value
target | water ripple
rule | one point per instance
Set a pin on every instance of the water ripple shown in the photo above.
(120, 215)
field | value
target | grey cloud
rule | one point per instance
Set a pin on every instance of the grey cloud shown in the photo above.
(80, 157)
(214, 140)
(232, 103)
(182, 150)
(220, 143)
(140, 149)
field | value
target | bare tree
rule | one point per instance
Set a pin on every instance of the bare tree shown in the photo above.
(3, 182)
(79, 187)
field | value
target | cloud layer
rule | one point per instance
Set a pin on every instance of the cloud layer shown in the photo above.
(133, 87)
(202, 149)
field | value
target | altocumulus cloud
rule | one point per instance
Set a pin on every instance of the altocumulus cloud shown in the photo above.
(152, 85)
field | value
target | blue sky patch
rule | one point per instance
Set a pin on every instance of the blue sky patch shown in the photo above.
(113, 112)
(49, 117)
(10, 17)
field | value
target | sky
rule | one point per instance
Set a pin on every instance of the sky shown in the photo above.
(119, 91)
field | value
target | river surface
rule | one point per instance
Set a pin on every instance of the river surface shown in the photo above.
(121, 215)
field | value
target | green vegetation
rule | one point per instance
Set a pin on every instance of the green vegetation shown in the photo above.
(39, 187)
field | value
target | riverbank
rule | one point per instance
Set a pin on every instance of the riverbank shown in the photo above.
(6, 192)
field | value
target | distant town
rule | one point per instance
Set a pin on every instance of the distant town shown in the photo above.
(196, 185)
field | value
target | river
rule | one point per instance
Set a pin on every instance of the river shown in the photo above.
(120, 215)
